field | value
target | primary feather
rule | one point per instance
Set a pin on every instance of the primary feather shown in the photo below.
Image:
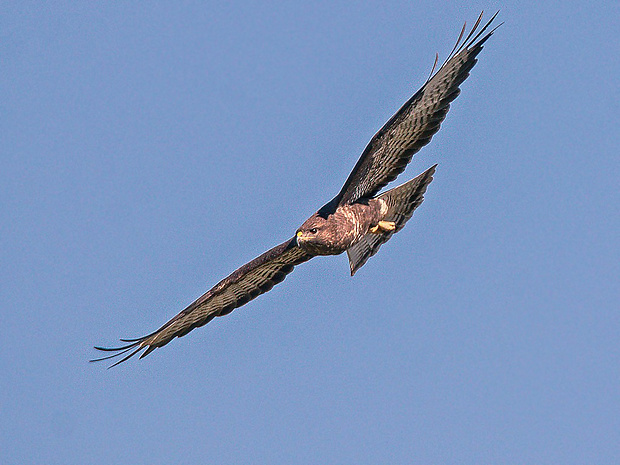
(412, 127)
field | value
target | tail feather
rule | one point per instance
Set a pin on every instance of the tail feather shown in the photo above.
(401, 202)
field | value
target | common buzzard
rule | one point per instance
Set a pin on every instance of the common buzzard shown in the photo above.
(358, 220)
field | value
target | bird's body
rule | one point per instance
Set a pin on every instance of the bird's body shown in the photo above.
(334, 234)
(358, 220)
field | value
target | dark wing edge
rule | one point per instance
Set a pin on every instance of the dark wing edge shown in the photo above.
(418, 120)
(244, 284)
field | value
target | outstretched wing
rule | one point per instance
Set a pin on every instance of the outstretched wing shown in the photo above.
(246, 283)
(413, 126)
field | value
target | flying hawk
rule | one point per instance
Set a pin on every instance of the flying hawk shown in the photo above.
(358, 220)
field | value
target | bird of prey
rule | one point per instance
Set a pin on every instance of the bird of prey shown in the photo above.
(358, 220)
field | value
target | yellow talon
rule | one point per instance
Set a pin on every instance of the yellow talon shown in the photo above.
(387, 225)
(383, 226)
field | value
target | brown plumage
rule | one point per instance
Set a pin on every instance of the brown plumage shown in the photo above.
(357, 220)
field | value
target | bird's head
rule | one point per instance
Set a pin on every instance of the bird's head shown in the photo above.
(314, 235)
(311, 230)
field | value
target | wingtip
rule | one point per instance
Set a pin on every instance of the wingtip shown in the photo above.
(476, 41)
(118, 352)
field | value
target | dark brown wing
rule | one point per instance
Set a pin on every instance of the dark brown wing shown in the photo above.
(246, 283)
(413, 126)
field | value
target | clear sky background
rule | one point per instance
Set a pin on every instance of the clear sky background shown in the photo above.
(149, 149)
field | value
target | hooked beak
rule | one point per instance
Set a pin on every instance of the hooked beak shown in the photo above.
(299, 236)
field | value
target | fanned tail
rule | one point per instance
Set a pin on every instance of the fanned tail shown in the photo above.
(401, 202)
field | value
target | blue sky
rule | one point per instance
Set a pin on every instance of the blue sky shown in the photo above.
(150, 149)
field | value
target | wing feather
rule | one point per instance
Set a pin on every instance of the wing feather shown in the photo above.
(243, 285)
(412, 127)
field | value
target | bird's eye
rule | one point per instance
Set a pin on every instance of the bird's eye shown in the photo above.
(313, 231)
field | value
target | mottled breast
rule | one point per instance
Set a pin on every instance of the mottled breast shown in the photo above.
(340, 230)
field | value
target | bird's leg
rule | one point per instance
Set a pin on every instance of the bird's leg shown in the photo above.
(383, 226)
